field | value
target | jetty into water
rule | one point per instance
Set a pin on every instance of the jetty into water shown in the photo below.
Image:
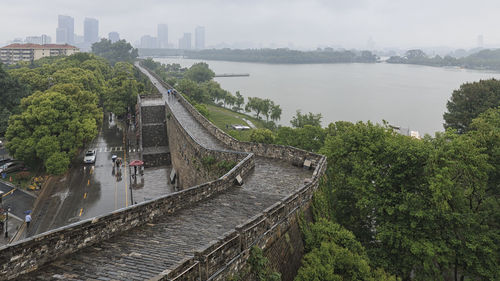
(232, 75)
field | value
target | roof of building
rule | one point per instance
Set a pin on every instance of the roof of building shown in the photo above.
(38, 46)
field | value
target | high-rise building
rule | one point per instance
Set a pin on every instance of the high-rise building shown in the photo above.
(90, 30)
(149, 42)
(42, 40)
(162, 35)
(65, 32)
(199, 38)
(114, 36)
(33, 40)
(185, 42)
(480, 41)
(46, 39)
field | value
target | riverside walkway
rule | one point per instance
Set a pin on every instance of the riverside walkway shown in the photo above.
(146, 251)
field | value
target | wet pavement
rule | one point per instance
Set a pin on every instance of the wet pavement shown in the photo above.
(90, 190)
(148, 250)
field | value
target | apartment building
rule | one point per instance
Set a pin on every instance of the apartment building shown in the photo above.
(15, 53)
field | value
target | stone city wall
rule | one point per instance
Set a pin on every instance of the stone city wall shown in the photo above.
(271, 230)
(276, 231)
(29, 254)
(194, 163)
(290, 154)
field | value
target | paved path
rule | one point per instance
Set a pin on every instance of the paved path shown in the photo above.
(150, 249)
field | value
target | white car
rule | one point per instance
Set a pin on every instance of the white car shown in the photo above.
(89, 157)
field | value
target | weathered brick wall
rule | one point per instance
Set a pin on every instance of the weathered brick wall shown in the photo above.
(154, 135)
(287, 153)
(152, 114)
(28, 254)
(190, 159)
(156, 159)
(276, 230)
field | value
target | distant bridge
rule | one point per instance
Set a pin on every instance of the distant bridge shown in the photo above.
(203, 232)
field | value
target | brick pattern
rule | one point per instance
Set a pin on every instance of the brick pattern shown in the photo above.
(184, 235)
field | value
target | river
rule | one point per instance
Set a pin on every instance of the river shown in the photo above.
(409, 96)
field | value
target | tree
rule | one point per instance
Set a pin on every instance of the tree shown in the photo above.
(262, 136)
(51, 123)
(275, 112)
(265, 106)
(122, 90)
(254, 104)
(199, 72)
(11, 93)
(469, 101)
(308, 138)
(300, 120)
(193, 90)
(422, 208)
(240, 100)
(334, 254)
(114, 52)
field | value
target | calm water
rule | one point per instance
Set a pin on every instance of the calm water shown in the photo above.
(406, 95)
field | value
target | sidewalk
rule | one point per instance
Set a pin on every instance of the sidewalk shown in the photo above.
(154, 182)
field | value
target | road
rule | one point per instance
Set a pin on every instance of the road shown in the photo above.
(87, 190)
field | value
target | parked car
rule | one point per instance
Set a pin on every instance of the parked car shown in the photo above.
(89, 157)
(13, 166)
(5, 161)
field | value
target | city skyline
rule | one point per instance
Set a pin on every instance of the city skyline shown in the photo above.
(295, 24)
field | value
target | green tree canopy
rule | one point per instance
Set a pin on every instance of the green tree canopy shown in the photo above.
(114, 52)
(469, 101)
(300, 120)
(11, 93)
(262, 136)
(199, 72)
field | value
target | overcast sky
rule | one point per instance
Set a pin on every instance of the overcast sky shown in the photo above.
(294, 23)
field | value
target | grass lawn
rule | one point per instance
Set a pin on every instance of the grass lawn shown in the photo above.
(222, 116)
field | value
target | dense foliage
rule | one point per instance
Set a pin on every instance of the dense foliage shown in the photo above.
(283, 55)
(300, 120)
(484, 59)
(333, 253)
(11, 93)
(114, 52)
(64, 111)
(421, 209)
(198, 86)
(469, 101)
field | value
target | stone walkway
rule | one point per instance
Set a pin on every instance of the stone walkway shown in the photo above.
(148, 250)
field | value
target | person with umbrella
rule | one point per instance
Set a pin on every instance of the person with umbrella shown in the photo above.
(28, 218)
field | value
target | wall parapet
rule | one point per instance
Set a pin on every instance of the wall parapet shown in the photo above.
(289, 154)
(29, 254)
(265, 227)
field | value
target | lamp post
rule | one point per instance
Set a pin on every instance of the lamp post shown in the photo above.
(7, 210)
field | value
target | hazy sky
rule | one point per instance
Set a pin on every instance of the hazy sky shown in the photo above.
(297, 23)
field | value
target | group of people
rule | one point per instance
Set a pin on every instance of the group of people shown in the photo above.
(171, 92)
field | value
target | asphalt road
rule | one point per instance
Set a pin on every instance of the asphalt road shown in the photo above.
(87, 190)
(17, 200)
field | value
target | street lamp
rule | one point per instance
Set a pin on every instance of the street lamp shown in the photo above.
(7, 210)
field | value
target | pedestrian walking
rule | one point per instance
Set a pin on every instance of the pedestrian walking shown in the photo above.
(28, 220)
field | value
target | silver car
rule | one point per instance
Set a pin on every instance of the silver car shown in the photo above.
(89, 157)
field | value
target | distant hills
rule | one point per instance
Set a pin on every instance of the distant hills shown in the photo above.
(284, 56)
(484, 59)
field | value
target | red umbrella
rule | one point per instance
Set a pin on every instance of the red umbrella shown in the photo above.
(136, 163)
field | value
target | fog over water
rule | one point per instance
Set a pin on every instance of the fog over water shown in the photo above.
(405, 95)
